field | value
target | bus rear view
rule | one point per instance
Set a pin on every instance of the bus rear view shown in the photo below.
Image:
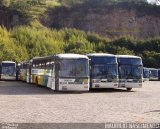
(8, 70)
(104, 70)
(130, 71)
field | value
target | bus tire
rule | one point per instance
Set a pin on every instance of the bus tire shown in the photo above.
(129, 89)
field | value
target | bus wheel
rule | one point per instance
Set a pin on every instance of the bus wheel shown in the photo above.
(129, 89)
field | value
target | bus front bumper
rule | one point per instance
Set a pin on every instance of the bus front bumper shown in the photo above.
(8, 77)
(130, 85)
(105, 85)
(73, 87)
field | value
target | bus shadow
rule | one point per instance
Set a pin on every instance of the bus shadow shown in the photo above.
(109, 90)
(22, 88)
(96, 91)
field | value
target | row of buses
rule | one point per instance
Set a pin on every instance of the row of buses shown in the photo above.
(151, 74)
(74, 72)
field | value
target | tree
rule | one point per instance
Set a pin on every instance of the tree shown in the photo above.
(5, 3)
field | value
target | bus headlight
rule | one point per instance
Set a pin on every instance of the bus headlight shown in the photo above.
(85, 81)
(122, 81)
(115, 84)
(95, 81)
(115, 80)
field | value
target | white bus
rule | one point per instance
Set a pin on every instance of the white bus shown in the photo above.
(153, 74)
(159, 74)
(8, 70)
(41, 69)
(103, 70)
(61, 72)
(24, 71)
(130, 71)
(145, 74)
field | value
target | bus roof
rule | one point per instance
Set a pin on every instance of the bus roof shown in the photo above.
(153, 69)
(71, 56)
(127, 56)
(24, 62)
(100, 54)
(39, 59)
(145, 68)
(43, 57)
(8, 62)
(64, 56)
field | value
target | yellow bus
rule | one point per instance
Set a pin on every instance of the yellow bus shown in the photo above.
(24, 71)
(61, 72)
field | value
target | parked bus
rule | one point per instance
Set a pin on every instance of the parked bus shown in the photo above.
(159, 74)
(145, 74)
(103, 70)
(61, 72)
(8, 70)
(153, 76)
(130, 71)
(24, 71)
(41, 69)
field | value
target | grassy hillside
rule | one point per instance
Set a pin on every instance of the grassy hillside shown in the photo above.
(24, 42)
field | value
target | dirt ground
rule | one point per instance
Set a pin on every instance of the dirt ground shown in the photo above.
(26, 103)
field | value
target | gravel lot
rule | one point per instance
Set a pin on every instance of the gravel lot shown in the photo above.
(23, 103)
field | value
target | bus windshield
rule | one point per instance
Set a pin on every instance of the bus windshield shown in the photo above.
(130, 71)
(8, 68)
(130, 61)
(105, 71)
(74, 68)
(154, 73)
(103, 60)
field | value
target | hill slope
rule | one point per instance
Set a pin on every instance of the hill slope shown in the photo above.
(41, 27)
(106, 17)
(110, 20)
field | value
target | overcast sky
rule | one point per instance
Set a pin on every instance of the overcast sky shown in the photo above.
(152, 1)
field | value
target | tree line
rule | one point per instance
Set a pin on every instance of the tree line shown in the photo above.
(25, 42)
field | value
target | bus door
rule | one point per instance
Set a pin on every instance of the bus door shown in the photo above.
(51, 78)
